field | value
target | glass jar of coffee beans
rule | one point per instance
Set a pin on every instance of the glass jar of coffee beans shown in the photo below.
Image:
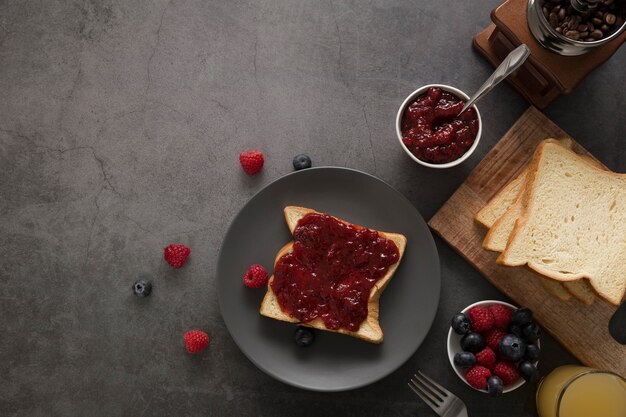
(559, 26)
(587, 27)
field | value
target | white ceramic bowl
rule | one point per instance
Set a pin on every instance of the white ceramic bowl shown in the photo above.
(454, 346)
(418, 93)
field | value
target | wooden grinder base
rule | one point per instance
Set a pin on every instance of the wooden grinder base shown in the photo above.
(546, 74)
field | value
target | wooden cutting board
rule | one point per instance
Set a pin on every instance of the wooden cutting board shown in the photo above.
(582, 329)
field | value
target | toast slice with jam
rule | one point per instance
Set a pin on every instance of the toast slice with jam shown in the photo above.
(317, 280)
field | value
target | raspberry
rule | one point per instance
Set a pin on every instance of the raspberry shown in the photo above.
(481, 318)
(477, 376)
(255, 277)
(196, 340)
(501, 315)
(493, 338)
(507, 372)
(251, 162)
(176, 255)
(486, 358)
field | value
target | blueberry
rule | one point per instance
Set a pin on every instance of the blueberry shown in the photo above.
(516, 330)
(531, 332)
(512, 348)
(464, 359)
(461, 323)
(522, 316)
(528, 371)
(472, 342)
(142, 288)
(301, 161)
(304, 336)
(532, 352)
(494, 386)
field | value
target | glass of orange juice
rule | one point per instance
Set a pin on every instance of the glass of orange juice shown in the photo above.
(578, 391)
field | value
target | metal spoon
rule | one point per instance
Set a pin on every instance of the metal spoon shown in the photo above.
(512, 62)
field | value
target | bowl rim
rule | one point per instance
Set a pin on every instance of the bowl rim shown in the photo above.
(451, 351)
(449, 89)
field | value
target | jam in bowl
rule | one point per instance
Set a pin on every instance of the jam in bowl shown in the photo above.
(432, 132)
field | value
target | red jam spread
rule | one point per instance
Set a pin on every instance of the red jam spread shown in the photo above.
(432, 131)
(330, 271)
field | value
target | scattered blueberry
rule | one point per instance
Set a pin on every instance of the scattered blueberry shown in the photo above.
(516, 330)
(528, 371)
(461, 323)
(301, 161)
(472, 342)
(522, 316)
(512, 348)
(532, 352)
(531, 332)
(304, 336)
(464, 359)
(494, 386)
(142, 288)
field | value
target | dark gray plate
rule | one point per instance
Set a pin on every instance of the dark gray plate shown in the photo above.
(334, 362)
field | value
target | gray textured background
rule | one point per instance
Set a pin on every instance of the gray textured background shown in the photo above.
(120, 126)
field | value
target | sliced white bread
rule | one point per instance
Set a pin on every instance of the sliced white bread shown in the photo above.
(496, 240)
(506, 197)
(370, 328)
(572, 223)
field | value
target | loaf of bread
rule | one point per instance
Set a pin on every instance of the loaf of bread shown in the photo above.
(369, 329)
(572, 222)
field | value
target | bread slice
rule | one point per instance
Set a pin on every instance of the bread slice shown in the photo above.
(370, 328)
(580, 289)
(573, 222)
(556, 288)
(497, 239)
(507, 196)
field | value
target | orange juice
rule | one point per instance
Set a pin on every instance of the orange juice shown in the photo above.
(577, 391)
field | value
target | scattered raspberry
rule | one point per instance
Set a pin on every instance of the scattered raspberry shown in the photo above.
(196, 340)
(507, 372)
(176, 255)
(501, 315)
(486, 358)
(493, 338)
(255, 277)
(477, 376)
(481, 318)
(251, 162)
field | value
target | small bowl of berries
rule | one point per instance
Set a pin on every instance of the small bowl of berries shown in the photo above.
(432, 132)
(494, 346)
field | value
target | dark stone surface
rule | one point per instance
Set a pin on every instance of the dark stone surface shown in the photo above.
(120, 126)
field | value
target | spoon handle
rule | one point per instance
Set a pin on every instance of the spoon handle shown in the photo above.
(512, 62)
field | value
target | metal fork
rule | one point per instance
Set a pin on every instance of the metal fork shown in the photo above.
(442, 401)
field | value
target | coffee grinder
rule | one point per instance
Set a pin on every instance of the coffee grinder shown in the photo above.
(568, 39)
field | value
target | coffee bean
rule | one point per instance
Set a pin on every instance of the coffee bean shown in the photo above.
(589, 40)
(584, 34)
(607, 2)
(554, 21)
(561, 14)
(545, 10)
(573, 24)
(596, 34)
(609, 18)
(556, 9)
(559, 29)
(581, 28)
(604, 28)
(572, 34)
(599, 15)
(590, 27)
(596, 21)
